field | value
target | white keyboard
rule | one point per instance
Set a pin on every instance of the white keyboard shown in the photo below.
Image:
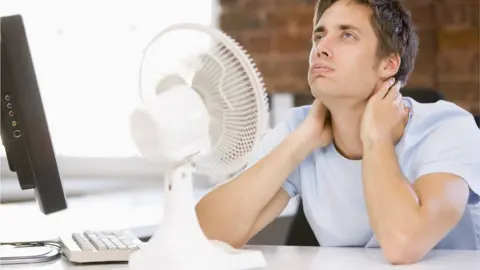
(99, 246)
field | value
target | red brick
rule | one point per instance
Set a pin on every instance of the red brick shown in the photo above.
(294, 3)
(425, 63)
(421, 80)
(259, 43)
(241, 20)
(458, 39)
(281, 18)
(467, 105)
(413, 3)
(283, 66)
(228, 3)
(474, 8)
(277, 35)
(279, 66)
(303, 99)
(457, 78)
(256, 4)
(296, 66)
(287, 84)
(466, 91)
(423, 15)
(237, 36)
(266, 68)
(475, 102)
(296, 43)
(457, 13)
(269, 81)
(428, 41)
(458, 63)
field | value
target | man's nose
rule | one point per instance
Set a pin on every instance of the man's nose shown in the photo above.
(322, 48)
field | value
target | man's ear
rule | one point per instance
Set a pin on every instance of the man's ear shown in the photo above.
(390, 66)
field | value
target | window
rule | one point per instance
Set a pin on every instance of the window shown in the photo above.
(86, 56)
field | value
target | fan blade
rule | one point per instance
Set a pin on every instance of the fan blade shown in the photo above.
(168, 82)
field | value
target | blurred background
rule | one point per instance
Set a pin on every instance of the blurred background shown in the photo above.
(86, 55)
(277, 33)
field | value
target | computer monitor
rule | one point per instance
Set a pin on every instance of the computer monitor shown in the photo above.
(24, 129)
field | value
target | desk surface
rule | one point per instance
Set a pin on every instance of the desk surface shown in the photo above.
(139, 211)
(287, 258)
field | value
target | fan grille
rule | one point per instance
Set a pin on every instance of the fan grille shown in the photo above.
(229, 83)
(234, 130)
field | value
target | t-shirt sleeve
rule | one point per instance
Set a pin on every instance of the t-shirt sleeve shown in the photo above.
(452, 146)
(273, 139)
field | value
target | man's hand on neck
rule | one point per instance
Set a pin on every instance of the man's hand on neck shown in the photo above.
(346, 118)
(352, 129)
(317, 129)
(385, 116)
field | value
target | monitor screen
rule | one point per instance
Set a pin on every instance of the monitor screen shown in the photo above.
(24, 129)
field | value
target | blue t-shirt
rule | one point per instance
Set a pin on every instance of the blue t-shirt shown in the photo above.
(439, 137)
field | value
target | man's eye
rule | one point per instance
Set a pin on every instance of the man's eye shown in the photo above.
(348, 35)
(317, 37)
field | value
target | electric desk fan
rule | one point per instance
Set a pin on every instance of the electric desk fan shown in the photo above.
(204, 109)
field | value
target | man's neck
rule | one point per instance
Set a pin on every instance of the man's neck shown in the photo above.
(346, 121)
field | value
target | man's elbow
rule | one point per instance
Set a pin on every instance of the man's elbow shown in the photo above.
(403, 251)
(212, 228)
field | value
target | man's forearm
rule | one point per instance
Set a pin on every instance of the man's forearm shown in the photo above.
(392, 204)
(229, 212)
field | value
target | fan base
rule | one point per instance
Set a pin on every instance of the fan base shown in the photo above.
(180, 244)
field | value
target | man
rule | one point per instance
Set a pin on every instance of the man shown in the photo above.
(373, 169)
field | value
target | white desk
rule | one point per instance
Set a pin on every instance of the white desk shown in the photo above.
(143, 209)
(310, 258)
(137, 210)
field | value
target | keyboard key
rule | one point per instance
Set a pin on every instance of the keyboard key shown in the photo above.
(131, 244)
(117, 243)
(88, 247)
(82, 242)
(109, 233)
(90, 236)
(100, 233)
(79, 239)
(96, 242)
(110, 245)
(133, 247)
(132, 237)
(99, 245)
(126, 240)
(106, 241)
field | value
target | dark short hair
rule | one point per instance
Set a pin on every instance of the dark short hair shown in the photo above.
(394, 28)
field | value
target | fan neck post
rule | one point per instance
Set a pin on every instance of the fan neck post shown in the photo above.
(179, 191)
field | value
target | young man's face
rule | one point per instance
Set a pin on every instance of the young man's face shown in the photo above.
(343, 61)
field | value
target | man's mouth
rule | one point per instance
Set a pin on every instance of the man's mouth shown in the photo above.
(321, 68)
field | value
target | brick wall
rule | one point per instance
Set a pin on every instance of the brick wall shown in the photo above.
(277, 34)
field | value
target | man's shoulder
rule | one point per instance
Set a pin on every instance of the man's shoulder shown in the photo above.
(442, 137)
(438, 128)
(440, 117)
(279, 131)
(296, 115)
(291, 119)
